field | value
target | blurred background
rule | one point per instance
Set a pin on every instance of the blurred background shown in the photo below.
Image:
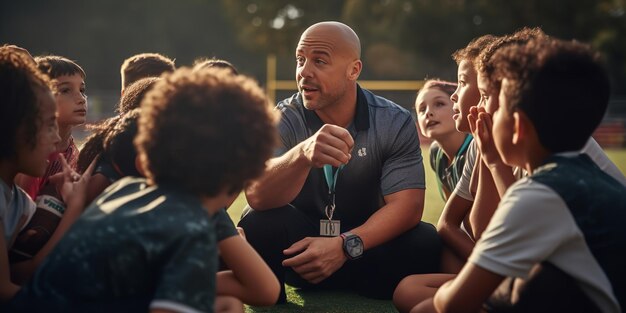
(402, 39)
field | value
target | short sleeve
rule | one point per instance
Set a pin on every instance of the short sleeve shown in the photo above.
(224, 226)
(403, 168)
(462, 188)
(288, 127)
(187, 280)
(434, 151)
(597, 155)
(530, 223)
(105, 168)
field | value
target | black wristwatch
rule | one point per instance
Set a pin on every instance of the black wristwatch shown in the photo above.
(352, 245)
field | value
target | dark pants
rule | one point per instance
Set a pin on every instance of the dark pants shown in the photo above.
(374, 275)
(547, 289)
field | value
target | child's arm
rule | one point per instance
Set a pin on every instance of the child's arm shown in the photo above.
(249, 278)
(7, 288)
(449, 226)
(73, 190)
(468, 291)
(485, 202)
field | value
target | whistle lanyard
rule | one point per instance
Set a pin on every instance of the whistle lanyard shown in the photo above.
(331, 181)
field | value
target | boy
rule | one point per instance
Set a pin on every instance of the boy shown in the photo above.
(68, 87)
(564, 222)
(149, 244)
(144, 65)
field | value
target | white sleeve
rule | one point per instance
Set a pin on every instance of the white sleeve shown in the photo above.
(597, 155)
(462, 188)
(530, 223)
(29, 210)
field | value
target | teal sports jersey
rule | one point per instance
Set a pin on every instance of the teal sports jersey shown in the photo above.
(448, 174)
(135, 248)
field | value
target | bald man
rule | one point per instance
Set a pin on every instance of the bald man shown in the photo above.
(340, 204)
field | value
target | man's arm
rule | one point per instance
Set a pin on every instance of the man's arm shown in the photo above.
(285, 175)
(322, 256)
(402, 211)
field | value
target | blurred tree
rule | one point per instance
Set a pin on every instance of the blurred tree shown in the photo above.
(402, 39)
(275, 26)
(409, 39)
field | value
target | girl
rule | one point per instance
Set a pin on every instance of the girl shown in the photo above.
(29, 123)
(434, 118)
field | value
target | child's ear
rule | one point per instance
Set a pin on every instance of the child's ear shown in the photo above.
(519, 128)
(523, 127)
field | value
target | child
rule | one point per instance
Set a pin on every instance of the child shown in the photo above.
(68, 86)
(149, 244)
(144, 65)
(105, 173)
(214, 63)
(434, 119)
(567, 218)
(28, 122)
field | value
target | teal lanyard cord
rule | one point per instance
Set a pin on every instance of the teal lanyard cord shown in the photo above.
(331, 180)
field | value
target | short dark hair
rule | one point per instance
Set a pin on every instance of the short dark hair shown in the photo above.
(472, 50)
(560, 85)
(145, 65)
(133, 95)
(214, 62)
(482, 63)
(19, 104)
(205, 131)
(55, 66)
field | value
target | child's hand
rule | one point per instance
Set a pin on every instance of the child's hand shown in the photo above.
(482, 130)
(472, 116)
(72, 186)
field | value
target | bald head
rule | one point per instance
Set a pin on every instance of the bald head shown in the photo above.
(340, 38)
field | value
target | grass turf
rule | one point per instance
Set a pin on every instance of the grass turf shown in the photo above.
(341, 301)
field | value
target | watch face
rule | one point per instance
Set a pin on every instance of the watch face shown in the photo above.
(354, 247)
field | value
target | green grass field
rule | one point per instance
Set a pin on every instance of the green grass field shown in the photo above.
(335, 301)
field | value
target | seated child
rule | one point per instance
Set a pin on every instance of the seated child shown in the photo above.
(144, 65)
(434, 119)
(28, 121)
(105, 173)
(149, 244)
(562, 225)
(202, 63)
